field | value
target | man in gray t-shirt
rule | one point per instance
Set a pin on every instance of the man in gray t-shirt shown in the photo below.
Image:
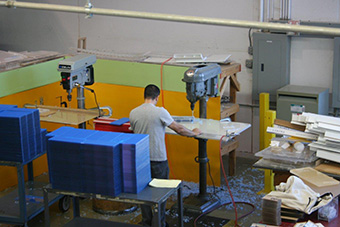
(152, 120)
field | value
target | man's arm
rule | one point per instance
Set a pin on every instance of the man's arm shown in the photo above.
(180, 129)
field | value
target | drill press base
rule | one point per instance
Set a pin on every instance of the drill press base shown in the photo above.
(195, 203)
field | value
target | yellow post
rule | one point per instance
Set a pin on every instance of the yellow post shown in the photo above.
(267, 118)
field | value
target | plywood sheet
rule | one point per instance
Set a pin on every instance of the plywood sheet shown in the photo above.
(314, 177)
(329, 168)
(65, 115)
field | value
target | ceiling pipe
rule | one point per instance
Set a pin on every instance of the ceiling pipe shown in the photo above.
(175, 18)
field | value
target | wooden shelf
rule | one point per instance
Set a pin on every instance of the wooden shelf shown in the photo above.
(229, 72)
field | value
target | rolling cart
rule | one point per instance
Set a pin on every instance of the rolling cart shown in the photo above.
(23, 204)
(150, 196)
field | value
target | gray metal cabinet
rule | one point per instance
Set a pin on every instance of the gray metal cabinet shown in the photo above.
(271, 63)
(336, 74)
(297, 99)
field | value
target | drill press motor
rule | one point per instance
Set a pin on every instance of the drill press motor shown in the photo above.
(76, 71)
(201, 82)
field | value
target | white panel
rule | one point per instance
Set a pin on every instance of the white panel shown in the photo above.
(316, 10)
(312, 62)
(245, 139)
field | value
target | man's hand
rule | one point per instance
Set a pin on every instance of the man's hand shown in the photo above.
(197, 131)
(180, 129)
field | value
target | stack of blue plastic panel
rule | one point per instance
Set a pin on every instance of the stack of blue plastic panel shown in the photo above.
(136, 163)
(90, 161)
(21, 138)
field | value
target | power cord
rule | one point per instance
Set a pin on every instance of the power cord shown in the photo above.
(232, 198)
(226, 181)
(95, 96)
(225, 204)
(249, 36)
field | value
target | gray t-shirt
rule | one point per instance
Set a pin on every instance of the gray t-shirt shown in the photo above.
(152, 120)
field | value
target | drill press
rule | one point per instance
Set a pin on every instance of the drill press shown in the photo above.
(201, 83)
(77, 72)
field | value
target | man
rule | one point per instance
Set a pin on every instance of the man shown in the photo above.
(152, 120)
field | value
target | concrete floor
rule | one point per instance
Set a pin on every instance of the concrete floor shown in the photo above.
(245, 186)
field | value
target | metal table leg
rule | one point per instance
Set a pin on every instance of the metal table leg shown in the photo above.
(180, 206)
(21, 193)
(76, 209)
(30, 171)
(157, 214)
(46, 208)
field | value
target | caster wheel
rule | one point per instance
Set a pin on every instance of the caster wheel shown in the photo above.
(64, 203)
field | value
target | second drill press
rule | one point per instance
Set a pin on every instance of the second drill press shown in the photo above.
(201, 83)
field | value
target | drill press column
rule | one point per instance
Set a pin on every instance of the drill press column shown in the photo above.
(202, 154)
(202, 83)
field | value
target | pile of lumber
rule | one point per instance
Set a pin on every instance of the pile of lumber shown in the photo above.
(327, 129)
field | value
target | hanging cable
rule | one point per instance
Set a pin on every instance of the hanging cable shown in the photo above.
(94, 93)
(249, 36)
(212, 180)
(163, 105)
(225, 204)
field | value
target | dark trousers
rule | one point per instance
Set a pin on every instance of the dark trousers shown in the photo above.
(159, 170)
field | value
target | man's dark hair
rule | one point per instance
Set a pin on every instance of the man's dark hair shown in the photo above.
(151, 91)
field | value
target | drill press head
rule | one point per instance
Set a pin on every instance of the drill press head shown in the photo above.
(75, 71)
(201, 82)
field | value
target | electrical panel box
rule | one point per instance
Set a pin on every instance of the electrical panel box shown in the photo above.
(271, 66)
(298, 99)
(336, 74)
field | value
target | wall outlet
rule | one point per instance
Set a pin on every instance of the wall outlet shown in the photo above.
(250, 50)
(249, 63)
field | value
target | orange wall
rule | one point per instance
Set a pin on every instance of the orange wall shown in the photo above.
(122, 99)
(181, 150)
(8, 175)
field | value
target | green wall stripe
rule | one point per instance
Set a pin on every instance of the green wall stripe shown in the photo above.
(139, 74)
(29, 77)
(105, 71)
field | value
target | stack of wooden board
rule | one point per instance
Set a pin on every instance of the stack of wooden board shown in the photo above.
(21, 137)
(271, 210)
(327, 129)
(99, 162)
(274, 212)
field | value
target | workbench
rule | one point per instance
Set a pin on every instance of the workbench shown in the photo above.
(215, 130)
(149, 196)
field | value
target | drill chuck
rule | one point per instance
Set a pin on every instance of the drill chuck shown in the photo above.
(192, 106)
